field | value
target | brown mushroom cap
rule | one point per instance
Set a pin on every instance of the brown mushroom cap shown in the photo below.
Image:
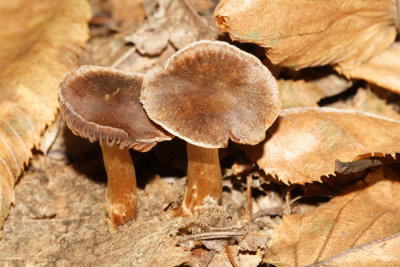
(102, 104)
(211, 91)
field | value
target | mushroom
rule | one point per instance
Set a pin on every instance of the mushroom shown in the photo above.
(208, 93)
(102, 104)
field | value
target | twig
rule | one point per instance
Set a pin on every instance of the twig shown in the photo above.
(124, 57)
(211, 235)
(274, 211)
(289, 202)
(235, 227)
(230, 256)
(249, 195)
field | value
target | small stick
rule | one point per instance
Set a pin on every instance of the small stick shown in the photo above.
(124, 57)
(274, 211)
(249, 195)
(211, 235)
(230, 256)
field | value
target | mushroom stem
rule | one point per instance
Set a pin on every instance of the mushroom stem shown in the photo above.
(204, 178)
(121, 185)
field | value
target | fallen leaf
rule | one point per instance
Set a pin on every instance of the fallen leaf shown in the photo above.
(303, 144)
(204, 7)
(382, 69)
(381, 252)
(245, 259)
(40, 42)
(176, 22)
(253, 242)
(357, 228)
(168, 26)
(304, 33)
(126, 12)
(299, 93)
(303, 93)
(332, 84)
(367, 101)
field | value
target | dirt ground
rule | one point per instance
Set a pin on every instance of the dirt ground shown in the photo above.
(59, 217)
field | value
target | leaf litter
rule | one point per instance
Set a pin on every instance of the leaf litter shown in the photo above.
(60, 197)
(40, 43)
(356, 227)
(60, 204)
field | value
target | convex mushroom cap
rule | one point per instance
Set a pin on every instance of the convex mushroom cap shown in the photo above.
(211, 92)
(102, 104)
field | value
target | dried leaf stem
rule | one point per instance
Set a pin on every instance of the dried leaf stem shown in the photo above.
(352, 250)
(274, 211)
(230, 256)
(249, 195)
(212, 235)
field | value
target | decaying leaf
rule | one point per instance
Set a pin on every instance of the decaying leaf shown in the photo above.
(304, 143)
(367, 101)
(177, 22)
(306, 33)
(127, 12)
(382, 69)
(355, 228)
(59, 220)
(40, 42)
(303, 93)
(168, 26)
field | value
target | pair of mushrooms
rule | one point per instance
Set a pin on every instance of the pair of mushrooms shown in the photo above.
(208, 93)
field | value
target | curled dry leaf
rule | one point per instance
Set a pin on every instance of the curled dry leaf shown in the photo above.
(382, 69)
(304, 143)
(299, 93)
(367, 101)
(40, 43)
(356, 228)
(306, 33)
(303, 93)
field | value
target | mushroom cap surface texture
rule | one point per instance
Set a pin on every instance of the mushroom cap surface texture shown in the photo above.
(102, 104)
(211, 91)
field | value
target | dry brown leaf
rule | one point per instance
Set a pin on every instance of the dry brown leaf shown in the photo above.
(168, 26)
(305, 33)
(355, 229)
(40, 42)
(381, 252)
(332, 84)
(382, 69)
(303, 93)
(127, 12)
(176, 22)
(299, 93)
(303, 144)
(367, 101)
